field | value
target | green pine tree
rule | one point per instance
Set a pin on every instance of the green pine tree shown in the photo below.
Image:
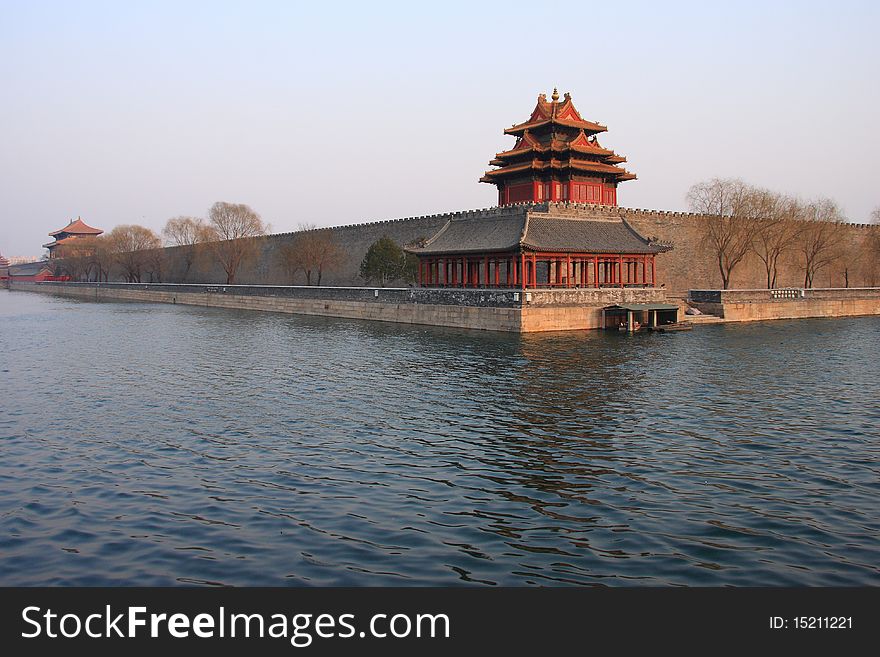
(386, 261)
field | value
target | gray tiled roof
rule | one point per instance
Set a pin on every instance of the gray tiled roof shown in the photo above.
(584, 236)
(542, 233)
(482, 235)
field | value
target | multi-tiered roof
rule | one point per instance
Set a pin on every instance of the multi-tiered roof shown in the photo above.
(557, 157)
(76, 229)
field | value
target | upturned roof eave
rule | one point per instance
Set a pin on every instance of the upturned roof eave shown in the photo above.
(453, 252)
(587, 126)
(646, 250)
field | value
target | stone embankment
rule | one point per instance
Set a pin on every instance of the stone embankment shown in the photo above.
(509, 310)
(484, 309)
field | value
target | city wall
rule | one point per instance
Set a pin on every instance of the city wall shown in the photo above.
(689, 265)
(493, 310)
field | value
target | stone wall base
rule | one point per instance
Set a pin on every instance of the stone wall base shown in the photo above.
(536, 311)
(459, 316)
(798, 309)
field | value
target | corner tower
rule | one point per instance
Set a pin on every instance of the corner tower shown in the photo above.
(557, 157)
(76, 229)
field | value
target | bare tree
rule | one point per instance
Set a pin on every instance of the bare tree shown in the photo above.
(288, 257)
(313, 251)
(130, 245)
(875, 216)
(155, 261)
(774, 230)
(84, 258)
(102, 257)
(234, 227)
(820, 237)
(189, 234)
(72, 259)
(728, 227)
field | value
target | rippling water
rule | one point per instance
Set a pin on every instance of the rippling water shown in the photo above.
(158, 445)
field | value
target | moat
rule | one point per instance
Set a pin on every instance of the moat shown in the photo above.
(153, 444)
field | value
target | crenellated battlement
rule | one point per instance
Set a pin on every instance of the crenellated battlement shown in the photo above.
(563, 208)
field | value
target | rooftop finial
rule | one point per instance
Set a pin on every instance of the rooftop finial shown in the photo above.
(555, 95)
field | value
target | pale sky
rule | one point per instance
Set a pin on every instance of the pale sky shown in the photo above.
(332, 113)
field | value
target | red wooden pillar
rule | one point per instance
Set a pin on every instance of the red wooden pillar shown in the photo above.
(596, 271)
(568, 279)
(507, 279)
(644, 270)
(497, 272)
(534, 270)
(620, 264)
(535, 190)
(524, 283)
(653, 273)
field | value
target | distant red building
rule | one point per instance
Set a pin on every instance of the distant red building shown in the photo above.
(76, 229)
(557, 157)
